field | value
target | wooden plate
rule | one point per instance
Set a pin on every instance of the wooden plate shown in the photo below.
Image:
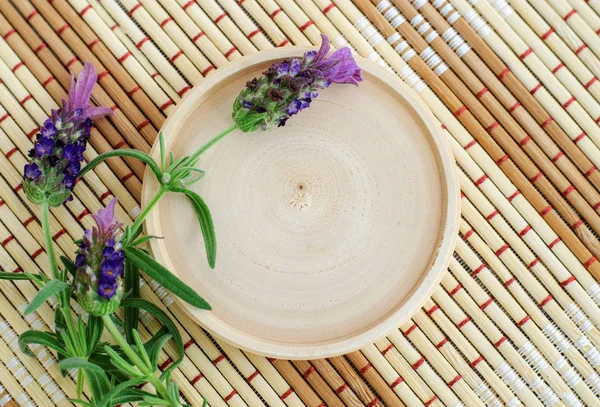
(331, 231)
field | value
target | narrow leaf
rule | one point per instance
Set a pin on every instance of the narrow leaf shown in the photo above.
(47, 339)
(119, 388)
(123, 153)
(161, 315)
(5, 275)
(206, 224)
(164, 277)
(132, 287)
(50, 289)
(82, 402)
(69, 265)
(94, 330)
(161, 140)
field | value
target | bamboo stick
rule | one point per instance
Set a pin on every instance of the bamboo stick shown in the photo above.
(285, 23)
(492, 49)
(345, 369)
(142, 131)
(266, 26)
(494, 107)
(587, 13)
(547, 78)
(426, 330)
(199, 17)
(302, 14)
(574, 20)
(448, 386)
(575, 53)
(317, 382)
(301, 388)
(149, 80)
(336, 383)
(483, 138)
(98, 143)
(565, 72)
(514, 107)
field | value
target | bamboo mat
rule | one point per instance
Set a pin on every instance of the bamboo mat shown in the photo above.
(515, 86)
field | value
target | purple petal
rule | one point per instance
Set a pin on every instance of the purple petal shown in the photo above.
(105, 218)
(324, 48)
(79, 94)
(96, 112)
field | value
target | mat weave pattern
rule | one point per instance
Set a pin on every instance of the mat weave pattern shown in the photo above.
(515, 86)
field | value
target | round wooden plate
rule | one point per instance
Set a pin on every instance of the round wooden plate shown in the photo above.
(331, 231)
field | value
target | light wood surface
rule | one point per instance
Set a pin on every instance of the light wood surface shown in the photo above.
(331, 231)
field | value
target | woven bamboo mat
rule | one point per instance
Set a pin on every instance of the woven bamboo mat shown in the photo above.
(515, 320)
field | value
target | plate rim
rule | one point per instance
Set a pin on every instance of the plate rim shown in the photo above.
(431, 278)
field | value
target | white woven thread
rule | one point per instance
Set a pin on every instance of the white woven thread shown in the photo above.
(434, 61)
(456, 42)
(577, 315)
(477, 23)
(510, 377)
(594, 292)
(392, 39)
(419, 3)
(588, 350)
(559, 363)
(593, 382)
(556, 337)
(23, 399)
(486, 396)
(544, 392)
(431, 36)
(438, 3)
(368, 31)
(401, 46)
(446, 9)
(571, 377)
(533, 356)
(408, 54)
(423, 28)
(5, 400)
(162, 293)
(411, 78)
(570, 399)
(383, 5)
(514, 402)
(416, 20)
(339, 42)
(453, 17)
(502, 8)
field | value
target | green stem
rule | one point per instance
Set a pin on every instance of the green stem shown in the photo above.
(80, 381)
(140, 219)
(48, 239)
(211, 142)
(133, 356)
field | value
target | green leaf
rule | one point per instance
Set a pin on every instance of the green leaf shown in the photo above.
(143, 240)
(164, 277)
(120, 363)
(93, 332)
(104, 402)
(50, 289)
(130, 396)
(59, 326)
(69, 265)
(132, 287)
(141, 350)
(206, 224)
(80, 363)
(82, 402)
(5, 275)
(155, 350)
(162, 316)
(161, 141)
(47, 339)
(123, 153)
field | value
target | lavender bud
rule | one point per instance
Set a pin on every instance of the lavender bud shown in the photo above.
(100, 265)
(288, 87)
(58, 151)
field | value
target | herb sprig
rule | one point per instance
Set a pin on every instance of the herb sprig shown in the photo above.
(105, 274)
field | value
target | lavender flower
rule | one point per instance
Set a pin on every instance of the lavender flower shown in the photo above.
(58, 151)
(288, 87)
(100, 264)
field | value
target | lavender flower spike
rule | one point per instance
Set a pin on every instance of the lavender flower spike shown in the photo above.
(100, 264)
(58, 150)
(288, 87)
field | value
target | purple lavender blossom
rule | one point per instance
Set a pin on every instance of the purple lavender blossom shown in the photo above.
(289, 87)
(58, 151)
(100, 264)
